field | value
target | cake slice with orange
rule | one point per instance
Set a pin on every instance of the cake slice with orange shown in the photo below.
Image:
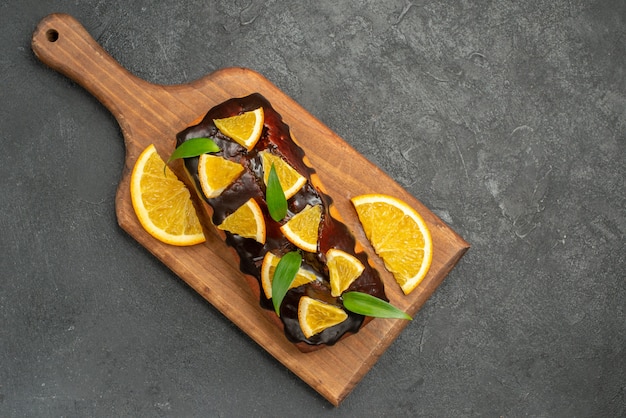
(254, 144)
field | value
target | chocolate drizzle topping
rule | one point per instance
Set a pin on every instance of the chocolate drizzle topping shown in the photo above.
(332, 233)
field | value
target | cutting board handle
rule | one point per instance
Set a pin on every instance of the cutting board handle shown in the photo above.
(63, 44)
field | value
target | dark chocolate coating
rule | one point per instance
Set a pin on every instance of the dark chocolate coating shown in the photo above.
(276, 139)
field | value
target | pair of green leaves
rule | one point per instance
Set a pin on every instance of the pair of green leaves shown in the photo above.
(357, 302)
(274, 195)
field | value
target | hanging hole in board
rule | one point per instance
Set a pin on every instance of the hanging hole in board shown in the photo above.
(52, 35)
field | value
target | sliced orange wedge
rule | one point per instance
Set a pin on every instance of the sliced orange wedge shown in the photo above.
(399, 236)
(162, 203)
(216, 174)
(303, 228)
(343, 269)
(247, 221)
(290, 180)
(245, 129)
(315, 316)
(270, 261)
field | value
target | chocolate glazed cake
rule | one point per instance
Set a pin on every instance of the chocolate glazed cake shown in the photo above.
(276, 139)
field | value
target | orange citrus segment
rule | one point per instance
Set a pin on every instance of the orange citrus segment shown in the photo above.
(290, 180)
(399, 235)
(216, 174)
(162, 202)
(270, 261)
(302, 230)
(245, 129)
(247, 221)
(343, 269)
(315, 316)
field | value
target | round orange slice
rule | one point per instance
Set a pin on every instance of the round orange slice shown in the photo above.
(247, 221)
(399, 236)
(216, 174)
(270, 261)
(303, 228)
(245, 129)
(343, 269)
(315, 316)
(162, 203)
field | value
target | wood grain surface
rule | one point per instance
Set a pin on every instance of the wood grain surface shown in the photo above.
(153, 114)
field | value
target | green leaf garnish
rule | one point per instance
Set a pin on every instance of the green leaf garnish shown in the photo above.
(284, 274)
(275, 196)
(366, 304)
(194, 147)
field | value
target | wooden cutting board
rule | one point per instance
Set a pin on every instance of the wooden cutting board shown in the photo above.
(149, 113)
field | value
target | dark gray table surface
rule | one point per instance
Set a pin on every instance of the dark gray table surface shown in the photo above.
(506, 118)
